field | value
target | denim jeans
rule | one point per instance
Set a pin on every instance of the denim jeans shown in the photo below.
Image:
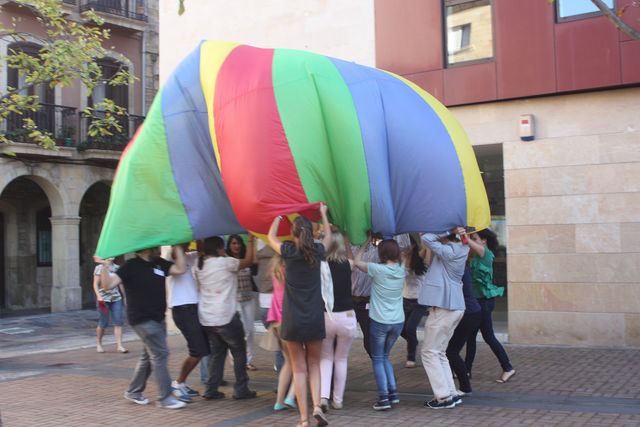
(115, 310)
(204, 369)
(382, 338)
(155, 355)
(413, 313)
(222, 338)
(486, 328)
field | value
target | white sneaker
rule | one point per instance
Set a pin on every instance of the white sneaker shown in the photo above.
(410, 364)
(170, 402)
(136, 398)
(184, 389)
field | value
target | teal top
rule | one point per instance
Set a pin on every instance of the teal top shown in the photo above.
(386, 292)
(482, 276)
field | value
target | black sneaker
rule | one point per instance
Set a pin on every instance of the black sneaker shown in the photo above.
(457, 400)
(444, 404)
(394, 399)
(250, 394)
(382, 405)
(213, 396)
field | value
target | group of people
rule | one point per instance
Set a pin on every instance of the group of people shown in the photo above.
(313, 291)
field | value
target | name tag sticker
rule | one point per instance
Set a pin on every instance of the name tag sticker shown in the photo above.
(366, 307)
(158, 272)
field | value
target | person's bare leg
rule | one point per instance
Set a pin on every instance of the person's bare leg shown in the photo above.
(188, 365)
(314, 350)
(299, 368)
(117, 331)
(99, 335)
(313, 365)
(284, 379)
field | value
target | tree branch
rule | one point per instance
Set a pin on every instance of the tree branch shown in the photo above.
(615, 19)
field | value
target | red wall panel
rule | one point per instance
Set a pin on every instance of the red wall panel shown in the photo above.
(431, 81)
(587, 54)
(408, 35)
(525, 62)
(630, 52)
(467, 84)
(534, 55)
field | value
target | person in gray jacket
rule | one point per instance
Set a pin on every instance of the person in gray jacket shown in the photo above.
(441, 291)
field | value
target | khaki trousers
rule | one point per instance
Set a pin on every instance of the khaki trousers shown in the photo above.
(438, 330)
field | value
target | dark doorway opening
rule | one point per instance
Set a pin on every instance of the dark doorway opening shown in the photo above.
(491, 165)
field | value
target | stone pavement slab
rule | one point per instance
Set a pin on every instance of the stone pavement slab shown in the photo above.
(553, 387)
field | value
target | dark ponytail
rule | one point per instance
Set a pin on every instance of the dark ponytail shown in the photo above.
(303, 230)
(491, 238)
(417, 262)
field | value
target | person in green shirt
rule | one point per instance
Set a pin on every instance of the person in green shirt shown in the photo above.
(483, 246)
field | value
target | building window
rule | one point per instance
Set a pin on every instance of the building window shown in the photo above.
(568, 9)
(18, 80)
(118, 94)
(43, 237)
(469, 30)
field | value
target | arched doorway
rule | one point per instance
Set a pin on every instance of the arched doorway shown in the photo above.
(26, 242)
(93, 208)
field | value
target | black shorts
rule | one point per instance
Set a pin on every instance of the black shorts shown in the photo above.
(186, 319)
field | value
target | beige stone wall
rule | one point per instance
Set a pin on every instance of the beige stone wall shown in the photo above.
(573, 215)
(343, 29)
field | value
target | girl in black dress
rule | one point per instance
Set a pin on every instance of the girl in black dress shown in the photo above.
(302, 308)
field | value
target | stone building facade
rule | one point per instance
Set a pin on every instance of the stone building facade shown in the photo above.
(52, 203)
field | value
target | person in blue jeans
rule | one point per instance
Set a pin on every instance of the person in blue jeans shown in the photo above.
(110, 305)
(483, 246)
(386, 315)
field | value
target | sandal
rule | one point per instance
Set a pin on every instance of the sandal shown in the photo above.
(303, 423)
(251, 367)
(506, 376)
(99, 349)
(321, 418)
(122, 350)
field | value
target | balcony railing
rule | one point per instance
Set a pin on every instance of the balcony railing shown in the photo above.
(132, 9)
(58, 120)
(70, 129)
(118, 140)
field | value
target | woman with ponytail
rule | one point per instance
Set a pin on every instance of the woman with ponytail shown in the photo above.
(302, 308)
(483, 246)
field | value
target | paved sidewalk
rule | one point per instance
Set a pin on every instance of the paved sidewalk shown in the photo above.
(78, 387)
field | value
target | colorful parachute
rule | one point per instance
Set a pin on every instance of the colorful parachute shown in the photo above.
(239, 135)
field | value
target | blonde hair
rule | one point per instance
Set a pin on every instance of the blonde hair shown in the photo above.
(276, 267)
(337, 252)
